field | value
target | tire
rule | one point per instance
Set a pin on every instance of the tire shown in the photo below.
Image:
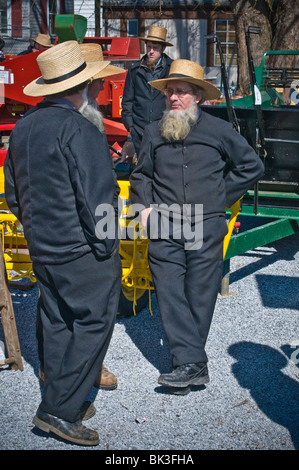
(125, 305)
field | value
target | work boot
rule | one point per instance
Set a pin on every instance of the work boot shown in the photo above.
(73, 432)
(88, 410)
(185, 375)
(106, 380)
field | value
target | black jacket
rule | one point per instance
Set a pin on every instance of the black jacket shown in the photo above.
(141, 103)
(58, 170)
(192, 171)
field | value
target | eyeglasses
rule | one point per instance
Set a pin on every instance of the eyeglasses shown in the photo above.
(179, 92)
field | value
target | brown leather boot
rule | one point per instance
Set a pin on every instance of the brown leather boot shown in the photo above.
(106, 380)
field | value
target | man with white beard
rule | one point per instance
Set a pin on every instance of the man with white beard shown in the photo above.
(90, 110)
(90, 107)
(180, 178)
(92, 52)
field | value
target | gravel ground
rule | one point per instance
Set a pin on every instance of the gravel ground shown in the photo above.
(251, 402)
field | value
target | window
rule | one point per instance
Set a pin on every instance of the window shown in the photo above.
(132, 28)
(3, 17)
(225, 30)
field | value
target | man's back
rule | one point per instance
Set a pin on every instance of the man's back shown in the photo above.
(61, 178)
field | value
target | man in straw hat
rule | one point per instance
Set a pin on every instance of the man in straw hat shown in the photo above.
(141, 103)
(92, 52)
(181, 165)
(56, 185)
(40, 43)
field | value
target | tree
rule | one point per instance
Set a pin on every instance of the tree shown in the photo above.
(286, 22)
(279, 24)
(250, 13)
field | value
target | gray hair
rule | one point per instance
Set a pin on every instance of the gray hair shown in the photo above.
(198, 90)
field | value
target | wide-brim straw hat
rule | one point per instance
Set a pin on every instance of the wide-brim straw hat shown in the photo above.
(190, 72)
(92, 52)
(42, 39)
(62, 67)
(157, 34)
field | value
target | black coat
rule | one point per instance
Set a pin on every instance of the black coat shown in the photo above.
(141, 103)
(192, 171)
(58, 170)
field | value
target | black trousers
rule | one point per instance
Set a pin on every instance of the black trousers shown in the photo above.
(78, 305)
(187, 284)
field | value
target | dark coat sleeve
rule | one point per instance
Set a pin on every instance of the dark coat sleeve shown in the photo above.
(127, 101)
(247, 167)
(141, 178)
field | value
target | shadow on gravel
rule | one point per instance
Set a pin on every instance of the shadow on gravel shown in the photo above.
(146, 332)
(259, 369)
(285, 249)
(278, 291)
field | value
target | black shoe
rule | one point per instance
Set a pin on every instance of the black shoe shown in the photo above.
(186, 374)
(179, 390)
(73, 432)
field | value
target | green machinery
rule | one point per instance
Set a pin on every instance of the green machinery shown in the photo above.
(269, 119)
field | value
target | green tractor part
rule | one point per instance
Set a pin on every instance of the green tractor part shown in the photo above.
(70, 27)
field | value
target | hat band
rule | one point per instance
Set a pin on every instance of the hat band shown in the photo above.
(65, 76)
(179, 75)
(156, 37)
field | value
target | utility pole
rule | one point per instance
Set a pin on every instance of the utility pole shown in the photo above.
(98, 18)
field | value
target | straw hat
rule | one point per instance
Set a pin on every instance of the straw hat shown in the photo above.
(157, 34)
(92, 52)
(42, 39)
(62, 67)
(190, 72)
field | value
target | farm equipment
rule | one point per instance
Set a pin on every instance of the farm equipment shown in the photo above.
(269, 119)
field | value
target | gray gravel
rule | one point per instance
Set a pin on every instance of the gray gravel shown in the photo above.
(251, 402)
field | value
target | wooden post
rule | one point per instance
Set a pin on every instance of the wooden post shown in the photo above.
(8, 319)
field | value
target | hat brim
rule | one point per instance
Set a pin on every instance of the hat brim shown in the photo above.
(39, 88)
(159, 41)
(109, 71)
(212, 92)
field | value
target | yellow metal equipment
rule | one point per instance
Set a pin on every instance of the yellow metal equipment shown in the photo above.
(136, 277)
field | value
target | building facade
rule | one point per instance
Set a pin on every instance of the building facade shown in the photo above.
(188, 22)
(21, 20)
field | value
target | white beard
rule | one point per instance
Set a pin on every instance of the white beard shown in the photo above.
(89, 109)
(176, 125)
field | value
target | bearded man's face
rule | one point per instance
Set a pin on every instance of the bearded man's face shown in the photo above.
(181, 110)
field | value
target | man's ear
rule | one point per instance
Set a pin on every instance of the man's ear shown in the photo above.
(200, 97)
